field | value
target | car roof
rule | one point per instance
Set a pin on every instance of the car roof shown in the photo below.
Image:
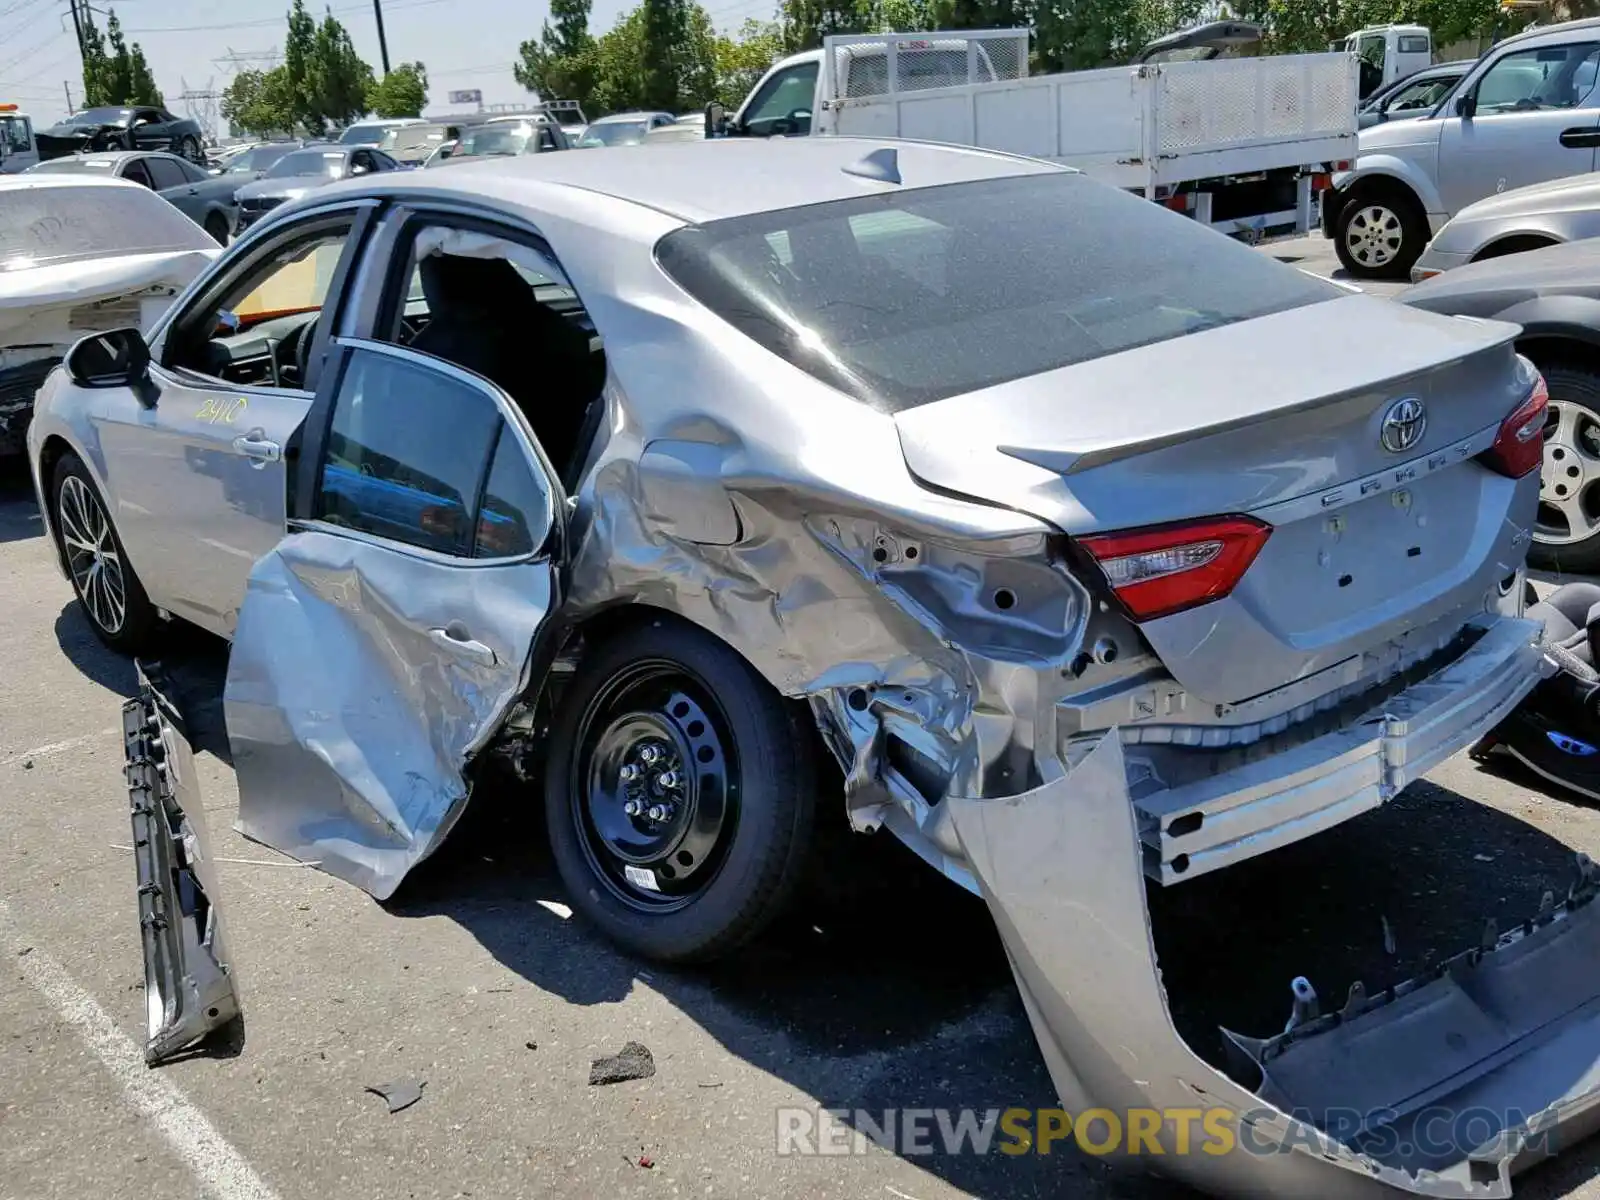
(756, 174)
(58, 180)
(637, 115)
(1556, 31)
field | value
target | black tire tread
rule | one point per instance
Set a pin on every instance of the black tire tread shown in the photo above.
(782, 745)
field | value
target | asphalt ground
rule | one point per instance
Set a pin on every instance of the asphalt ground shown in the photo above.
(476, 980)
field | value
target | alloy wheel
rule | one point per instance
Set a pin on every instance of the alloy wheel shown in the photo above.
(1569, 504)
(92, 557)
(655, 787)
(1374, 235)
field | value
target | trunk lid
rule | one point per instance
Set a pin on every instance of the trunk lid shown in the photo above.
(1282, 418)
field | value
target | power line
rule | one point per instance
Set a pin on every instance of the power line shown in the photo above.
(342, 10)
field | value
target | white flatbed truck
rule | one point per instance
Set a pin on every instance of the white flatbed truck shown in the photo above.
(1242, 144)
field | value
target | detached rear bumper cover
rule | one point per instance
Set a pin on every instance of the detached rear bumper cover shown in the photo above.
(1514, 1031)
(1225, 819)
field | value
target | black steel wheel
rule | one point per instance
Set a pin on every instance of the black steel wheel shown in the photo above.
(678, 792)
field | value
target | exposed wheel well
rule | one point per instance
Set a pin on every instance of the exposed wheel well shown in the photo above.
(1515, 244)
(49, 455)
(1546, 350)
(1397, 190)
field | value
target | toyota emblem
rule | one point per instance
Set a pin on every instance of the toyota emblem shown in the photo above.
(1403, 425)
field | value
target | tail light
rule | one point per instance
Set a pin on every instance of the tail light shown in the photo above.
(1519, 446)
(1164, 569)
(1321, 182)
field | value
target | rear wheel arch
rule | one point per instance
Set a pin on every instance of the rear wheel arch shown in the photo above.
(54, 449)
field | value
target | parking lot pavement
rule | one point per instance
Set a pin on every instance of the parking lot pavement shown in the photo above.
(475, 979)
(1315, 254)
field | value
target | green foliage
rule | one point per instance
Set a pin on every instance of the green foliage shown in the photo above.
(740, 61)
(403, 92)
(559, 64)
(806, 22)
(114, 73)
(338, 80)
(260, 103)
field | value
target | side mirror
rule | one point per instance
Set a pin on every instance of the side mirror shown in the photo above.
(715, 119)
(105, 360)
(1467, 107)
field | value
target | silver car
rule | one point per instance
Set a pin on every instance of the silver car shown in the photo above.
(1545, 214)
(801, 472)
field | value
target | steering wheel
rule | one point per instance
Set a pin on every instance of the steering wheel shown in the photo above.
(302, 347)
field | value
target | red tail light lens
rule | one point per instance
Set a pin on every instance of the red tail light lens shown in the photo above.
(1519, 446)
(1164, 569)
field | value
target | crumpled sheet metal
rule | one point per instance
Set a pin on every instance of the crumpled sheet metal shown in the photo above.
(1059, 867)
(350, 719)
(23, 294)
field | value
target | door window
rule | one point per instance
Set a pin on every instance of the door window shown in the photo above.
(137, 172)
(15, 134)
(1554, 77)
(166, 173)
(1423, 95)
(412, 448)
(785, 94)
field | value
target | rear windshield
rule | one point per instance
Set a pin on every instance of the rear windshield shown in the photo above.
(327, 163)
(46, 225)
(364, 135)
(258, 158)
(905, 298)
(100, 116)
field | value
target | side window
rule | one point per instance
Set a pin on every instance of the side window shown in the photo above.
(547, 140)
(410, 450)
(1554, 77)
(15, 132)
(166, 173)
(191, 171)
(781, 97)
(137, 172)
(277, 296)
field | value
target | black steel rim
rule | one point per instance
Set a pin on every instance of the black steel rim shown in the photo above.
(654, 786)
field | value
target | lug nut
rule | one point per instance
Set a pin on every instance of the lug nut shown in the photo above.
(667, 780)
(649, 755)
(632, 808)
(658, 812)
(629, 772)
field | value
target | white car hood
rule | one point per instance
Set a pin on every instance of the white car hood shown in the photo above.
(1581, 192)
(35, 303)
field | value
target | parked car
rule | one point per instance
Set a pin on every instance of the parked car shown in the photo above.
(1554, 295)
(139, 128)
(411, 145)
(302, 171)
(1527, 112)
(622, 129)
(699, 487)
(1417, 95)
(80, 254)
(18, 149)
(500, 139)
(372, 133)
(1544, 214)
(685, 129)
(254, 161)
(205, 199)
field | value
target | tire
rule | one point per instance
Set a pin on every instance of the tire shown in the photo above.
(217, 226)
(1380, 232)
(671, 686)
(190, 149)
(80, 518)
(1566, 534)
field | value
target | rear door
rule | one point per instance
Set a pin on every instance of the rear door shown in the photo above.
(1537, 119)
(383, 639)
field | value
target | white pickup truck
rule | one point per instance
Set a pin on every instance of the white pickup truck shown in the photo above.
(1242, 144)
(18, 150)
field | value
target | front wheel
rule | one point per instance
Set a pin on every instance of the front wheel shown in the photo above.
(217, 226)
(1380, 233)
(679, 793)
(1566, 533)
(108, 591)
(190, 148)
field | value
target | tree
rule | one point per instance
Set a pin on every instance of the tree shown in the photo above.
(338, 79)
(114, 73)
(260, 103)
(664, 42)
(743, 59)
(559, 64)
(299, 47)
(806, 22)
(403, 92)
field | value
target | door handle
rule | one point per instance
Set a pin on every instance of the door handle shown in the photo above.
(454, 637)
(254, 445)
(1581, 138)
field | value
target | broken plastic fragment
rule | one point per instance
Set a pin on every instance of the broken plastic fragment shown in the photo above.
(399, 1095)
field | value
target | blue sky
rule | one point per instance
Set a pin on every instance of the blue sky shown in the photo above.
(465, 43)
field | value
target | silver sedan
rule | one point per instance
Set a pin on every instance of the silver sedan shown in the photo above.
(1528, 218)
(944, 489)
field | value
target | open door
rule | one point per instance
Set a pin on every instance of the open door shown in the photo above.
(381, 643)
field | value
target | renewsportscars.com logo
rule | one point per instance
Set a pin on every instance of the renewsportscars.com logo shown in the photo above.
(1435, 1133)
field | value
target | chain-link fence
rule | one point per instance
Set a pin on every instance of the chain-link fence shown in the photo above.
(885, 64)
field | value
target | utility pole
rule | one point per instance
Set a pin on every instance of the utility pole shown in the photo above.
(383, 42)
(67, 87)
(77, 24)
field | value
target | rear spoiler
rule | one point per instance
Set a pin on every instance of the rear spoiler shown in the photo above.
(189, 986)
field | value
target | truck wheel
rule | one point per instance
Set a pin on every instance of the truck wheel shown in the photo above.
(108, 591)
(1566, 533)
(217, 226)
(1380, 232)
(679, 792)
(190, 149)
